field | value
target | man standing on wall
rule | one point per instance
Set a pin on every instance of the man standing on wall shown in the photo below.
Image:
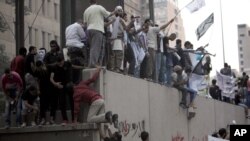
(94, 19)
(77, 51)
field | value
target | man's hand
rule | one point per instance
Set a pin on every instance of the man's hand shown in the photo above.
(59, 85)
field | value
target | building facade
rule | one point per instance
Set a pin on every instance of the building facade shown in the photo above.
(42, 24)
(243, 48)
(164, 10)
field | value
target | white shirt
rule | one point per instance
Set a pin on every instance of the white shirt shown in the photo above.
(94, 17)
(74, 35)
(152, 37)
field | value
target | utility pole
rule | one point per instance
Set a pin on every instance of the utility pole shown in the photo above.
(19, 24)
(67, 14)
(222, 33)
(151, 10)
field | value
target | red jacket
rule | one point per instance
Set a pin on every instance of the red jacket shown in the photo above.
(87, 94)
(18, 64)
(15, 80)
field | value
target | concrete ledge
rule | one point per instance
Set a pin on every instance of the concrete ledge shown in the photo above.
(49, 128)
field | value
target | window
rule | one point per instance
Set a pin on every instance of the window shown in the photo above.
(241, 55)
(43, 39)
(241, 49)
(177, 35)
(240, 42)
(242, 35)
(242, 69)
(30, 5)
(43, 7)
(55, 11)
(30, 35)
(241, 62)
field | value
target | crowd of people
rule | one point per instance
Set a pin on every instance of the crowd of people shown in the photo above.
(240, 89)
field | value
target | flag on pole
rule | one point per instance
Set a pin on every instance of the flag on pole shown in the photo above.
(195, 5)
(203, 27)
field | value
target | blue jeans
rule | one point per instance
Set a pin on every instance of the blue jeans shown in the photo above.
(193, 94)
(158, 63)
(169, 70)
(10, 107)
(163, 70)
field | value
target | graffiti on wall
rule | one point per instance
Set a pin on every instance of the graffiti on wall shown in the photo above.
(131, 128)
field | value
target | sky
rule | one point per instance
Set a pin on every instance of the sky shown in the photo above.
(233, 13)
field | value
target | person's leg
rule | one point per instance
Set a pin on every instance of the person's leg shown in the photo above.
(112, 60)
(162, 75)
(157, 66)
(54, 104)
(18, 112)
(168, 75)
(151, 63)
(77, 101)
(62, 102)
(184, 97)
(94, 116)
(143, 67)
(71, 102)
(96, 41)
(24, 115)
(193, 94)
(43, 106)
(131, 59)
(7, 113)
(119, 58)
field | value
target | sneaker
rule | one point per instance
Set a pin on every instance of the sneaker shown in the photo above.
(108, 117)
(52, 122)
(42, 122)
(115, 120)
(33, 123)
(64, 123)
(23, 125)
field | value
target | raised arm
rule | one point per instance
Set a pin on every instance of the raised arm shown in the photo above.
(166, 25)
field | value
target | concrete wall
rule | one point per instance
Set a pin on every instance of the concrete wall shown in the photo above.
(83, 132)
(137, 100)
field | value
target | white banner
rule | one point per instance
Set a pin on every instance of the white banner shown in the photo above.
(198, 82)
(226, 84)
(195, 5)
(210, 138)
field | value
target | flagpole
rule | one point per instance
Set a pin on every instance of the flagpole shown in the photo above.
(222, 32)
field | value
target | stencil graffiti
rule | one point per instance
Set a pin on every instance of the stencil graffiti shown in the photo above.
(131, 128)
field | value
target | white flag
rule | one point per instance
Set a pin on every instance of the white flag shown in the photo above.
(204, 26)
(195, 5)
